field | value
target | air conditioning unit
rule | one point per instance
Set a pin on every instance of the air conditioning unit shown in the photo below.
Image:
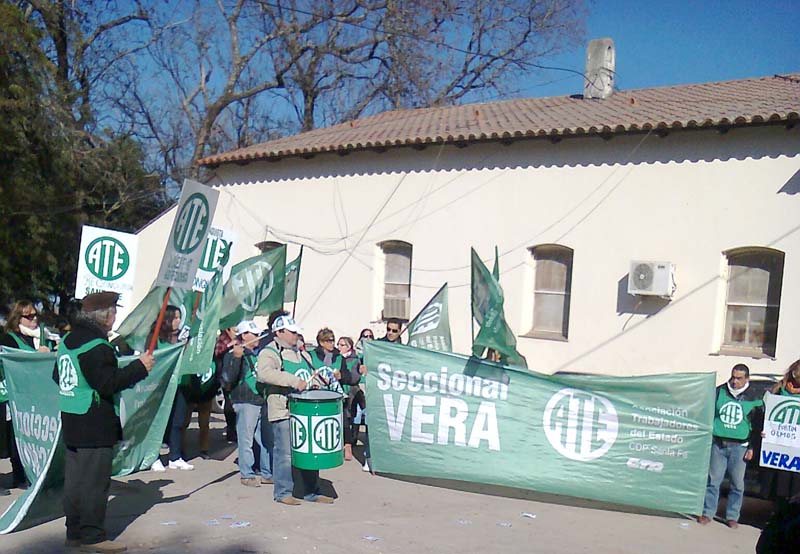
(651, 279)
(396, 307)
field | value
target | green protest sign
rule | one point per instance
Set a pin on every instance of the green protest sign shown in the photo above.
(431, 327)
(641, 441)
(33, 402)
(136, 327)
(204, 326)
(254, 288)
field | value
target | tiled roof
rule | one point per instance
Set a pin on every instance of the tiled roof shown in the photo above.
(721, 104)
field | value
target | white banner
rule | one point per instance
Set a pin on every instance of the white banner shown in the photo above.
(107, 262)
(780, 447)
(188, 235)
(216, 253)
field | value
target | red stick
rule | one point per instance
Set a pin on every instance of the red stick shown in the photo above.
(159, 321)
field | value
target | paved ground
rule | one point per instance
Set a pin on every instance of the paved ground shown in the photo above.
(198, 511)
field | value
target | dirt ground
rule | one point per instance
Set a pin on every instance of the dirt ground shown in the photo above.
(208, 511)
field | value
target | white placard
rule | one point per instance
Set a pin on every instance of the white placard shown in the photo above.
(217, 252)
(187, 237)
(107, 262)
(780, 447)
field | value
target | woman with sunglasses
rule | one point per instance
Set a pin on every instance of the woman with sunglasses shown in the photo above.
(22, 331)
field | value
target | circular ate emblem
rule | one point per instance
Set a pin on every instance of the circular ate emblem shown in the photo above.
(786, 411)
(253, 285)
(67, 374)
(731, 413)
(215, 254)
(299, 432)
(107, 258)
(579, 425)
(327, 434)
(192, 224)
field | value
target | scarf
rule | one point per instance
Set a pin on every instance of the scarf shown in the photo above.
(35, 334)
(736, 392)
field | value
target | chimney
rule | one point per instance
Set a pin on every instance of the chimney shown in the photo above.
(600, 60)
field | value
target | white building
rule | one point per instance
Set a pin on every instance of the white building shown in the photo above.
(571, 190)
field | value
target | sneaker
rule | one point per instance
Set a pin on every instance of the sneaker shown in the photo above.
(267, 481)
(180, 464)
(323, 500)
(158, 466)
(250, 482)
(289, 501)
(105, 546)
(366, 467)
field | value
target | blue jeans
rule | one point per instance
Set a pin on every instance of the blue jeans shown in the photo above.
(248, 429)
(282, 459)
(725, 459)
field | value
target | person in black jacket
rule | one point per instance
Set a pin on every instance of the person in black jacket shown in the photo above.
(88, 378)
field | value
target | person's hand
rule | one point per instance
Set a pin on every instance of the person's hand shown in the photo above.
(301, 386)
(748, 455)
(43, 349)
(362, 369)
(238, 351)
(148, 361)
(337, 374)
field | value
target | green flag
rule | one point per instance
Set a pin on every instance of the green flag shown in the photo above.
(487, 302)
(204, 325)
(34, 407)
(254, 288)
(139, 322)
(496, 268)
(431, 327)
(292, 279)
(641, 441)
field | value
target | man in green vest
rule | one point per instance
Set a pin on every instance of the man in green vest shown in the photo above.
(88, 381)
(284, 368)
(730, 448)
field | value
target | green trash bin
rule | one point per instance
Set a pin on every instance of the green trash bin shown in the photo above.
(316, 429)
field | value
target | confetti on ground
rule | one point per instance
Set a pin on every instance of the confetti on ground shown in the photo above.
(528, 515)
(504, 524)
(212, 522)
(240, 524)
(463, 522)
(370, 538)
(229, 516)
(169, 523)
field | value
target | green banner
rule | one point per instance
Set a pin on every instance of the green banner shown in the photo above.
(431, 327)
(641, 441)
(487, 306)
(33, 402)
(254, 288)
(137, 325)
(204, 326)
(292, 279)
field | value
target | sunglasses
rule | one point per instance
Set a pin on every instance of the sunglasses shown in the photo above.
(34, 315)
(389, 330)
(368, 337)
(326, 340)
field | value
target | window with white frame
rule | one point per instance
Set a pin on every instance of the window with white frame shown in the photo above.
(755, 276)
(396, 279)
(551, 291)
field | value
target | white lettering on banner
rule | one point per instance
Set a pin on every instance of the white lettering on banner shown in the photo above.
(484, 426)
(30, 425)
(580, 425)
(456, 384)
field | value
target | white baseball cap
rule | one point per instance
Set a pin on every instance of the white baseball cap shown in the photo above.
(247, 326)
(287, 323)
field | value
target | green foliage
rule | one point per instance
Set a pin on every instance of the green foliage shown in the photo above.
(56, 175)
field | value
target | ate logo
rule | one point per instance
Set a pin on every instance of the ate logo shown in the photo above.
(327, 434)
(581, 426)
(299, 433)
(3, 388)
(67, 374)
(192, 224)
(731, 414)
(253, 285)
(786, 411)
(107, 258)
(215, 254)
(429, 319)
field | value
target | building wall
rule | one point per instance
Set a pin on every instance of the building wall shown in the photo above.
(684, 198)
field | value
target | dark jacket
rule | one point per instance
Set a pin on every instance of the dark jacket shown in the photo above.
(231, 377)
(7, 340)
(385, 338)
(100, 426)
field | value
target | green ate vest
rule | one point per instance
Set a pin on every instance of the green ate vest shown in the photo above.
(302, 369)
(22, 345)
(250, 374)
(731, 416)
(75, 396)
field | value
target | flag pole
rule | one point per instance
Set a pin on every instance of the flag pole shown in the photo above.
(297, 284)
(154, 339)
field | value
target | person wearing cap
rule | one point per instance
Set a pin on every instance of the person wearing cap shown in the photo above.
(239, 376)
(283, 368)
(88, 379)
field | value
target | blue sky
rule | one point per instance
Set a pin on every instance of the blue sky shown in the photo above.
(676, 42)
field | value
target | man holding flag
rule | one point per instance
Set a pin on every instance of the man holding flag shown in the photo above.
(88, 380)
